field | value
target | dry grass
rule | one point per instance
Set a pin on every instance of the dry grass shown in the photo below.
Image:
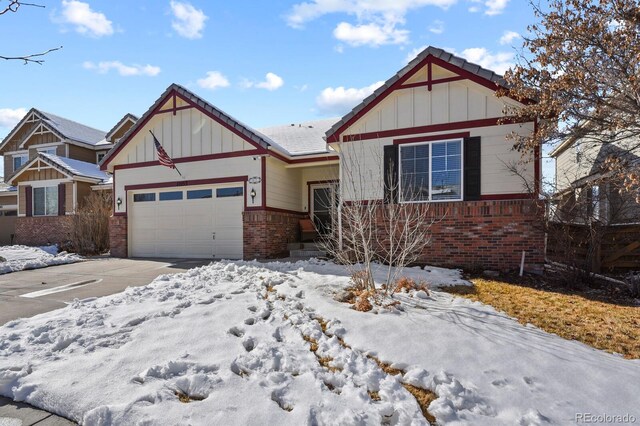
(408, 284)
(607, 326)
(184, 398)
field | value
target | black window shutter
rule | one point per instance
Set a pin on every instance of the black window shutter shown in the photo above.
(61, 199)
(472, 168)
(390, 171)
(28, 198)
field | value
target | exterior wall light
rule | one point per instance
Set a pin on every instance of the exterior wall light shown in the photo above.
(253, 195)
(118, 202)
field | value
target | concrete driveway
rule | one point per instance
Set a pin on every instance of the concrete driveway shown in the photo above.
(28, 293)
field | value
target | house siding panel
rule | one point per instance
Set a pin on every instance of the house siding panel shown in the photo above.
(82, 154)
(283, 186)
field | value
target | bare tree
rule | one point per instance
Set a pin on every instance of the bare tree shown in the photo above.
(36, 58)
(581, 66)
(90, 231)
(393, 232)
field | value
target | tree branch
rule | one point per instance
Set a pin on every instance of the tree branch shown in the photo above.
(30, 58)
(14, 5)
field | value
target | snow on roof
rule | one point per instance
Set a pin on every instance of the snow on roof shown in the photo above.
(300, 138)
(72, 129)
(77, 167)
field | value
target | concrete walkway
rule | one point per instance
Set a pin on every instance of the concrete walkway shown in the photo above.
(53, 287)
(19, 414)
(28, 293)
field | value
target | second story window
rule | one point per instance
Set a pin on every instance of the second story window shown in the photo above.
(52, 150)
(19, 160)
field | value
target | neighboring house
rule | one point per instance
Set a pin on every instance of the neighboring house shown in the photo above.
(52, 163)
(8, 213)
(240, 193)
(585, 189)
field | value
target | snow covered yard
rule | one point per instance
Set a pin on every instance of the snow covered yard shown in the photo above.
(232, 340)
(18, 258)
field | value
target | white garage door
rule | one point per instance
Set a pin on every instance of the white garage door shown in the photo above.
(196, 222)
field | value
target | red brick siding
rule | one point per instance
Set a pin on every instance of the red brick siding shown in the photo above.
(118, 236)
(483, 234)
(267, 233)
(38, 231)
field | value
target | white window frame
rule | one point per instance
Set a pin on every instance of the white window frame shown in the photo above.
(430, 143)
(100, 155)
(21, 155)
(33, 200)
(49, 148)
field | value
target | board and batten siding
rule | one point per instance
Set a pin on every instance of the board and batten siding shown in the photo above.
(446, 103)
(191, 171)
(188, 133)
(283, 186)
(496, 155)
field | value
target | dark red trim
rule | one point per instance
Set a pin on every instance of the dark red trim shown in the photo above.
(485, 122)
(440, 137)
(335, 136)
(174, 110)
(499, 197)
(222, 123)
(120, 214)
(466, 74)
(248, 153)
(316, 182)
(263, 181)
(430, 82)
(174, 104)
(155, 111)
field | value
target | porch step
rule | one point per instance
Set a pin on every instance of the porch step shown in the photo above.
(306, 253)
(304, 246)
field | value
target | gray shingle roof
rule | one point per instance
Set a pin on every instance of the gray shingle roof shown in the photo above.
(71, 129)
(127, 116)
(433, 51)
(76, 167)
(300, 138)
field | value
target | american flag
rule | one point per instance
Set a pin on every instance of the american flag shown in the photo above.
(163, 157)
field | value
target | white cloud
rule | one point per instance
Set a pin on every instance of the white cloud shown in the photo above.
(213, 80)
(370, 34)
(122, 69)
(508, 37)
(437, 27)
(498, 62)
(413, 53)
(271, 82)
(378, 21)
(188, 21)
(9, 117)
(340, 100)
(495, 7)
(391, 10)
(85, 20)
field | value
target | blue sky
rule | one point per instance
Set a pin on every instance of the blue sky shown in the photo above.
(263, 62)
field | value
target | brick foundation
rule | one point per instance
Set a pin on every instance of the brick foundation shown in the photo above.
(43, 230)
(484, 235)
(267, 233)
(118, 236)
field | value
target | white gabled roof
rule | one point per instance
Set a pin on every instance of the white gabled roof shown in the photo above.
(77, 167)
(300, 138)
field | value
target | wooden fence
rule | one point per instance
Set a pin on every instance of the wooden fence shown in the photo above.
(610, 248)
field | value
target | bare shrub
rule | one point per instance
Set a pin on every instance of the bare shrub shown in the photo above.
(404, 284)
(363, 304)
(90, 232)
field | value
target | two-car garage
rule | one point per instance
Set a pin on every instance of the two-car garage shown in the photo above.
(190, 222)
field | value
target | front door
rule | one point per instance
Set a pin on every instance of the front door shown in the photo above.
(322, 206)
